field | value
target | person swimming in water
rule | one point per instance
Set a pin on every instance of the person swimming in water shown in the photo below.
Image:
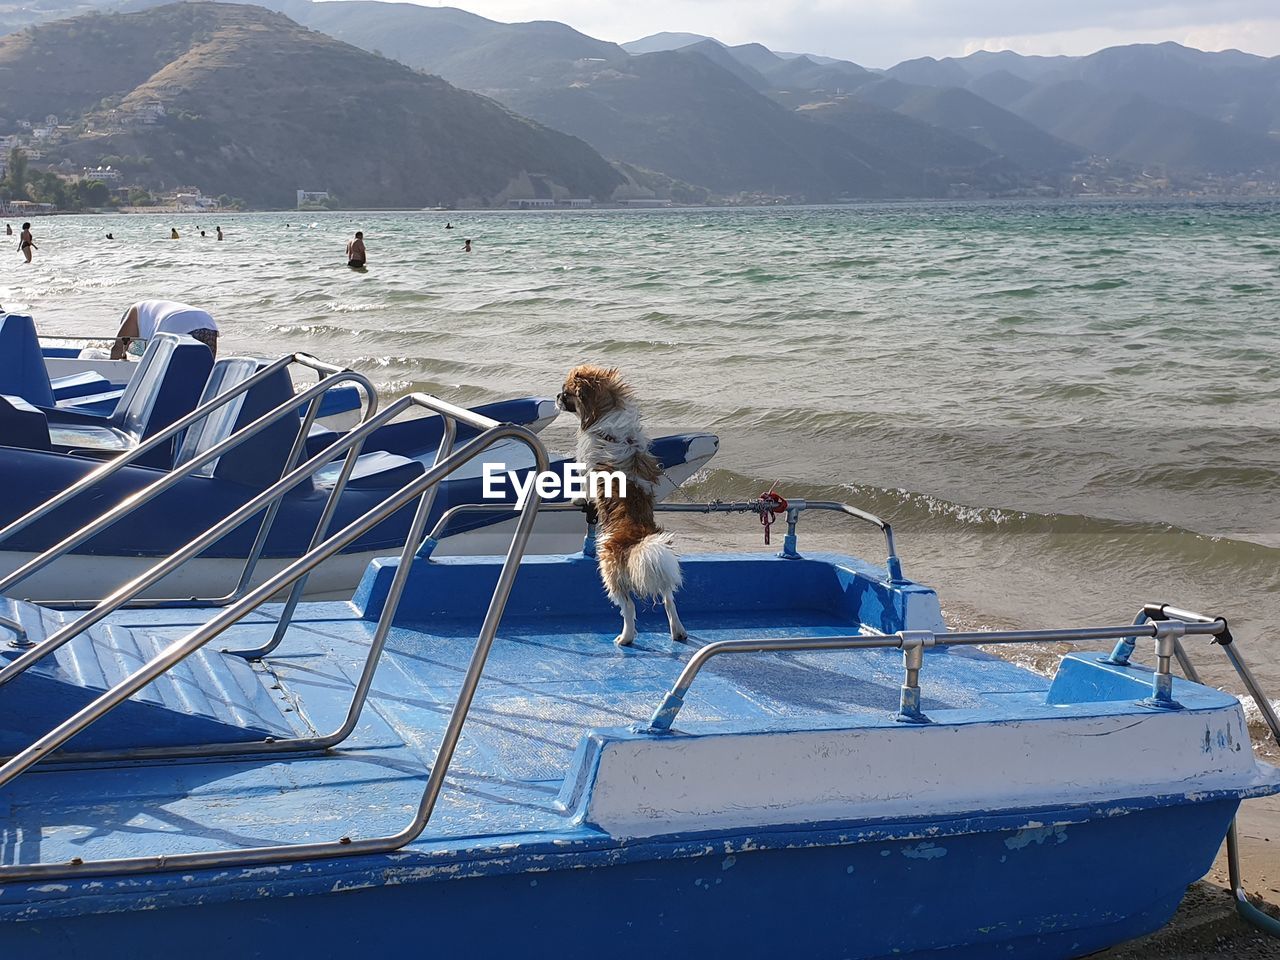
(173, 233)
(466, 246)
(202, 233)
(26, 242)
(355, 251)
(8, 229)
(219, 229)
(448, 226)
(110, 236)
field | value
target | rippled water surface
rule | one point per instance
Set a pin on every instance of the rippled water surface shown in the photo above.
(1066, 409)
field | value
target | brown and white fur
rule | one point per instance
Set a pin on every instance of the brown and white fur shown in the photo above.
(636, 559)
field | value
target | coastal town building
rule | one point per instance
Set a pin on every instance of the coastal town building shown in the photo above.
(190, 199)
(312, 198)
(108, 174)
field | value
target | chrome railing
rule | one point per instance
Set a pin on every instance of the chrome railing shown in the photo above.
(1166, 623)
(350, 444)
(331, 376)
(423, 489)
(913, 643)
(760, 507)
(1224, 639)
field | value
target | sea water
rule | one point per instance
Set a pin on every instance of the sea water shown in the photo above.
(1065, 408)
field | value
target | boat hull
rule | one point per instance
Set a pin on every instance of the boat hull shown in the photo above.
(1041, 887)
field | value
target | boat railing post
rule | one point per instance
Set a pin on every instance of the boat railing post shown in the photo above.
(1168, 634)
(789, 549)
(20, 639)
(593, 520)
(167, 565)
(913, 644)
(1125, 646)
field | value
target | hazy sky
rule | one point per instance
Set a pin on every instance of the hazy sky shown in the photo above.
(879, 33)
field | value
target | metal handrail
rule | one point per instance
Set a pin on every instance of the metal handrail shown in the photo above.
(794, 507)
(913, 644)
(335, 376)
(1163, 611)
(184, 647)
(351, 441)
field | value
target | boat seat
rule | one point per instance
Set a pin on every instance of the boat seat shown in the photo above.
(81, 384)
(378, 469)
(165, 387)
(60, 353)
(22, 425)
(22, 370)
(258, 461)
(97, 404)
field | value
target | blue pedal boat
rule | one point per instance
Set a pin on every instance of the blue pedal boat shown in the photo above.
(194, 469)
(823, 770)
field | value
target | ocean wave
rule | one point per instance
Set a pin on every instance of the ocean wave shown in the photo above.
(1073, 533)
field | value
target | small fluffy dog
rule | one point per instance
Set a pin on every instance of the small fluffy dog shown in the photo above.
(636, 558)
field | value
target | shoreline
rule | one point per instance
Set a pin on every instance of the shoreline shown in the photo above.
(609, 207)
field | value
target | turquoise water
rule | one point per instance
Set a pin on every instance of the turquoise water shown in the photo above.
(1067, 409)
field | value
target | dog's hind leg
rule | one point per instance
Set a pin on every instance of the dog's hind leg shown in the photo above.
(678, 632)
(628, 633)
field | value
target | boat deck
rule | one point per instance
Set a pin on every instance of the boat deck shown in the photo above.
(549, 681)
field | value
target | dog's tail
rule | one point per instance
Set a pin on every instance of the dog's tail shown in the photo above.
(652, 566)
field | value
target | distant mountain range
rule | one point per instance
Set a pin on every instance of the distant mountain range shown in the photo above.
(243, 101)
(686, 115)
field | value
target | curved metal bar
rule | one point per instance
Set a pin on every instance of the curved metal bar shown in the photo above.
(116, 464)
(93, 477)
(1247, 911)
(665, 715)
(152, 490)
(154, 574)
(447, 439)
(892, 563)
(166, 481)
(674, 699)
(180, 649)
(344, 846)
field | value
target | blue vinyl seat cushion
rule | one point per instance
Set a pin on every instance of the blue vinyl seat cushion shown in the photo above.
(22, 425)
(22, 370)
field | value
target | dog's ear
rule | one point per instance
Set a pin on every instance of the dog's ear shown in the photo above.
(597, 390)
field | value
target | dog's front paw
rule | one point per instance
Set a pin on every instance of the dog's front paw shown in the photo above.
(680, 636)
(623, 640)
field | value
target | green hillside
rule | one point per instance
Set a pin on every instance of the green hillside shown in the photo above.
(258, 106)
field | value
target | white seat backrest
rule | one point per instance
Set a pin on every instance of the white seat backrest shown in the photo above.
(211, 430)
